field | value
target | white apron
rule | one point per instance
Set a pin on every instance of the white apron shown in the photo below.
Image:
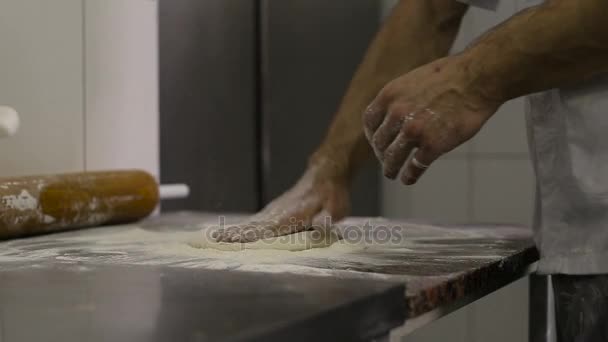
(568, 138)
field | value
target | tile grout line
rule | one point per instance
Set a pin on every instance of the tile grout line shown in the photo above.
(471, 185)
(84, 84)
(470, 313)
(518, 156)
(501, 155)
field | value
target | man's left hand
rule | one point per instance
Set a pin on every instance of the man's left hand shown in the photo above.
(430, 110)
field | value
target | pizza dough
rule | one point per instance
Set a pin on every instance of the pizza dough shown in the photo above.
(293, 242)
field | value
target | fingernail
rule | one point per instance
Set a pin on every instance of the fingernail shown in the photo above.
(235, 238)
(409, 180)
(389, 172)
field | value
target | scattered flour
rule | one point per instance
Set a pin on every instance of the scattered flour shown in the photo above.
(23, 201)
(168, 246)
(133, 245)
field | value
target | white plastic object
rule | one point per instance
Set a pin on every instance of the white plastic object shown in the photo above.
(9, 121)
(173, 191)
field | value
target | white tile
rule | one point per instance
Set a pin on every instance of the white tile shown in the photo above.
(459, 153)
(503, 191)
(122, 85)
(463, 39)
(465, 35)
(453, 327)
(505, 132)
(441, 195)
(481, 20)
(41, 77)
(503, 315)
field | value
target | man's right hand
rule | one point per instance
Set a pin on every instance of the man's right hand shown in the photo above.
(320, 193)
(323, 190)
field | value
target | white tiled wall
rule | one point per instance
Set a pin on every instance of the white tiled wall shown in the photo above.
(501, 316)
(442, 195)
(504, 134)
(453, 327)
(83, 76)
(121, 92)
(488, 180)
(41, 76)
(502, 190)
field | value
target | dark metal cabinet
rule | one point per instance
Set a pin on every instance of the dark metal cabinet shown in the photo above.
(248, 89)
(207, 102)
(311, 49)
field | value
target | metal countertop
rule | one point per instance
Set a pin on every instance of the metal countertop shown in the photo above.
(73, 287)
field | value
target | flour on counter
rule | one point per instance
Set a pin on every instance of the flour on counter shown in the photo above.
(131, 244)
(413, 249)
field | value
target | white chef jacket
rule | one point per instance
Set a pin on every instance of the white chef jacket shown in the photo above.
(568, 139)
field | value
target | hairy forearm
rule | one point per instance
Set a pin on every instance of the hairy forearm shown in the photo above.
(558, 43)
(416, 33)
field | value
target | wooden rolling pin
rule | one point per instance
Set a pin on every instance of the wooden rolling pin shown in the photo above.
(43, 204)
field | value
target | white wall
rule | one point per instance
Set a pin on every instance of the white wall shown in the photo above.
(83, 76)
(41, 75)
(121, 94)
(488, 179)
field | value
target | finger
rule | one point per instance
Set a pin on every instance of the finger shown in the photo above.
(216, 233)
(386, 134)
(226, 235)
(273, 221)
(235, 238)
(396, 155)
(246, 232)
(322, 231)
(374, 115)
(372, 119)
(230, 234)
(417, 165)
(253, 232)
(297, 220)
(322, 220)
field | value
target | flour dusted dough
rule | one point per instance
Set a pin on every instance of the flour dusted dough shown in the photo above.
(294, 242)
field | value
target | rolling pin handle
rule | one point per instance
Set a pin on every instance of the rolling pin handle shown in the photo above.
(173, 191)
(9, 121)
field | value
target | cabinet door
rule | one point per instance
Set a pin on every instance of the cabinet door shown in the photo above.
(207, 101)
(41, 75)
(307, 70)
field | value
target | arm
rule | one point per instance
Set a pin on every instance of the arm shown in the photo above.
(417, 32)
(439, 106)
(558, 43)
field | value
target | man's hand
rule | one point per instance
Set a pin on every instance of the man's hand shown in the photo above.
(432, 109)
(439, 106)
(318, 195)
(430, 26)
